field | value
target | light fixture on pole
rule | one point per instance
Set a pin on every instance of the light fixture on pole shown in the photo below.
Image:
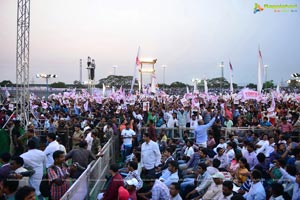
(164, 73)
(266, 72)
(196, 81)
(115, 68)
(47, 77)
(91, 65)
(222, 75)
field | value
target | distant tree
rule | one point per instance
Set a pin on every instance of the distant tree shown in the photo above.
(177, 84)
(251, 86)
(218, 82)
(58, 85)
(235, 85)
(162, 85)
(6, 83)
(294, 83)
(117, 81)
(268, 84)
(77, 84)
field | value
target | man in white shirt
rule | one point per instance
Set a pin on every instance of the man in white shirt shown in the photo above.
(150, 155)
(35, 159)
(50, 149)
(221, 144)
(194, 122)
(89, 139)
(262, 145)
(172, 175)
(257, 190)
(222, 157)
(127, 135)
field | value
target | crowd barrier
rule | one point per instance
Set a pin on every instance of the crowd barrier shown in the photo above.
(92, 180)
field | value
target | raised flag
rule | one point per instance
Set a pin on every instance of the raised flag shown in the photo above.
(260, 72)
(231, 74)
(137, 67)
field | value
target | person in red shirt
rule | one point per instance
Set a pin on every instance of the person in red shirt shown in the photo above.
(115, 182)
(151, 130)
(285, 126)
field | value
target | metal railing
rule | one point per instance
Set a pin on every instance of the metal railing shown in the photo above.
(92, 180)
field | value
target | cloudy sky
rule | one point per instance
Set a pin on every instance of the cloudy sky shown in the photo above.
(191, 37)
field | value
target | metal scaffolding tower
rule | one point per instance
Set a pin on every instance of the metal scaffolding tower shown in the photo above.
(22, 61)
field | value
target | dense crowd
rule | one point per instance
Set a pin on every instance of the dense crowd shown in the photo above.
(169, 148)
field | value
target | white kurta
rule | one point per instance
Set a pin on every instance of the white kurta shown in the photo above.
(35, 159)
(50, 149)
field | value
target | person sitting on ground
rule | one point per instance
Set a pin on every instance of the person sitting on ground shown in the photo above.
(241, 172)
(222, 157)
(215, 189)
(221, 144)
(158, 190)
(172, 175)
(257, 190)
(174, 191)
(133, 173)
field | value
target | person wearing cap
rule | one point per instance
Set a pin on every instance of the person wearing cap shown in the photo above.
(50, 149)
(215, 189)
(131, 186)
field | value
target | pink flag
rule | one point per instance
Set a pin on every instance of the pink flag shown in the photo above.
(86, 106)
(260, 72)
(44, 104)
(272, 108)
(137, 67)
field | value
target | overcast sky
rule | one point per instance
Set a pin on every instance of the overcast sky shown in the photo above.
(191, 37)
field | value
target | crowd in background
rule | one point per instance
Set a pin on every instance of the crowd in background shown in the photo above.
(168, 150)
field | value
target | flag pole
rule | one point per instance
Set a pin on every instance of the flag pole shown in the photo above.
(137, 63)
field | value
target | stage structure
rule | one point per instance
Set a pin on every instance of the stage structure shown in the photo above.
(22, 62)
(91, 74)
(147, 67)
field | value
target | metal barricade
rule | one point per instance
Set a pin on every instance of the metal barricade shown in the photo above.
(80, 188)
(92, 180)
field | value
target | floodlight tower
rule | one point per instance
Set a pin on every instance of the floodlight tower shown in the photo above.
(22, 61)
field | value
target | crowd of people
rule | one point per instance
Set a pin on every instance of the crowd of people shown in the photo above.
(168, 148)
